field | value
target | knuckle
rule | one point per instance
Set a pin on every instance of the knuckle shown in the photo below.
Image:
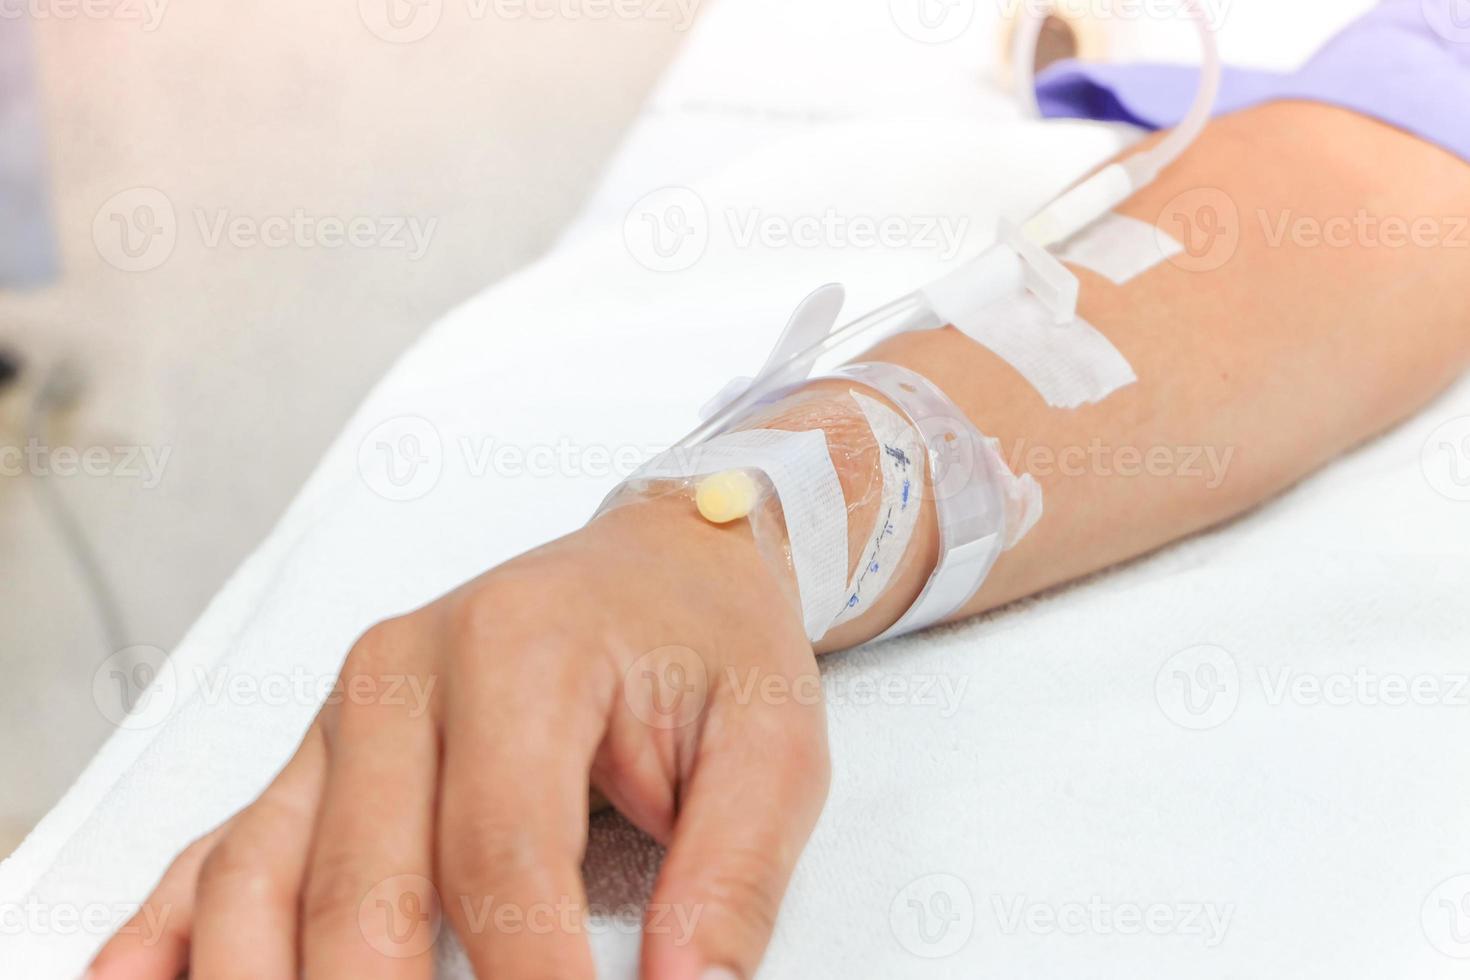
(378, 647)
(501, 605)
(333, 892)
(477, 857)
(235, 868)
(745, 888)
(485, 613)
(195, 853)
(389, 669)
(493, 625)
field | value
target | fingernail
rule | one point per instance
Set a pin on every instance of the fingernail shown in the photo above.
(719, 973)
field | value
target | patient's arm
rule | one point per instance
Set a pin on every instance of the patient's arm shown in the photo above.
(1271, 364)
(545, 669)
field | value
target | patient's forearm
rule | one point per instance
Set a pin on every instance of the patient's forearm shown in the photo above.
(1250, 375)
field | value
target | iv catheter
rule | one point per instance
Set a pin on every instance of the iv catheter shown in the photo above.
(1017, 280)
(1018, 261)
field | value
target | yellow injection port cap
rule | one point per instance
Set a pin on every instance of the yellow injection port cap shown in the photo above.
(725, 497)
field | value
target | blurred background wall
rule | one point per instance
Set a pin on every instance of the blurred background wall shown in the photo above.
(256, 206)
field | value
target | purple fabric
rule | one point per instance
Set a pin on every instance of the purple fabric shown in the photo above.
(1406, 63)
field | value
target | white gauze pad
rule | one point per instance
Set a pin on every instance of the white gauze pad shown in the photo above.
(903, 463)
(801, 471)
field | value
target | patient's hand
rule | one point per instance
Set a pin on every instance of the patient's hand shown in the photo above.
(651, 654)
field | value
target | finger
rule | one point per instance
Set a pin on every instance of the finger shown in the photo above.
(368, 906)
(154, 943)
(246, 909)
(523, 724)
(756, 788)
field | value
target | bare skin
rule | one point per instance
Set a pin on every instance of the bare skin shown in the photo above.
(1286, 353)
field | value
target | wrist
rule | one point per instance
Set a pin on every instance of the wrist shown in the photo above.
(743, 561)
(882, 507)
(856, 456)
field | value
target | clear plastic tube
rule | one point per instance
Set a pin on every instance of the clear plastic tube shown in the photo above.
(1098, 194)
(907, 313)
(1059, 220)
(1023, 56)
(1147, 166)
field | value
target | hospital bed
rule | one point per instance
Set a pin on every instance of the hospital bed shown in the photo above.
(1192, 765)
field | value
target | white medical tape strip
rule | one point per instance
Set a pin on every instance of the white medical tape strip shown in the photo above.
(799, 466)
(1119, 247)
(903, 463)
(1069, 364)
(1022, 495)
(963, 294)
